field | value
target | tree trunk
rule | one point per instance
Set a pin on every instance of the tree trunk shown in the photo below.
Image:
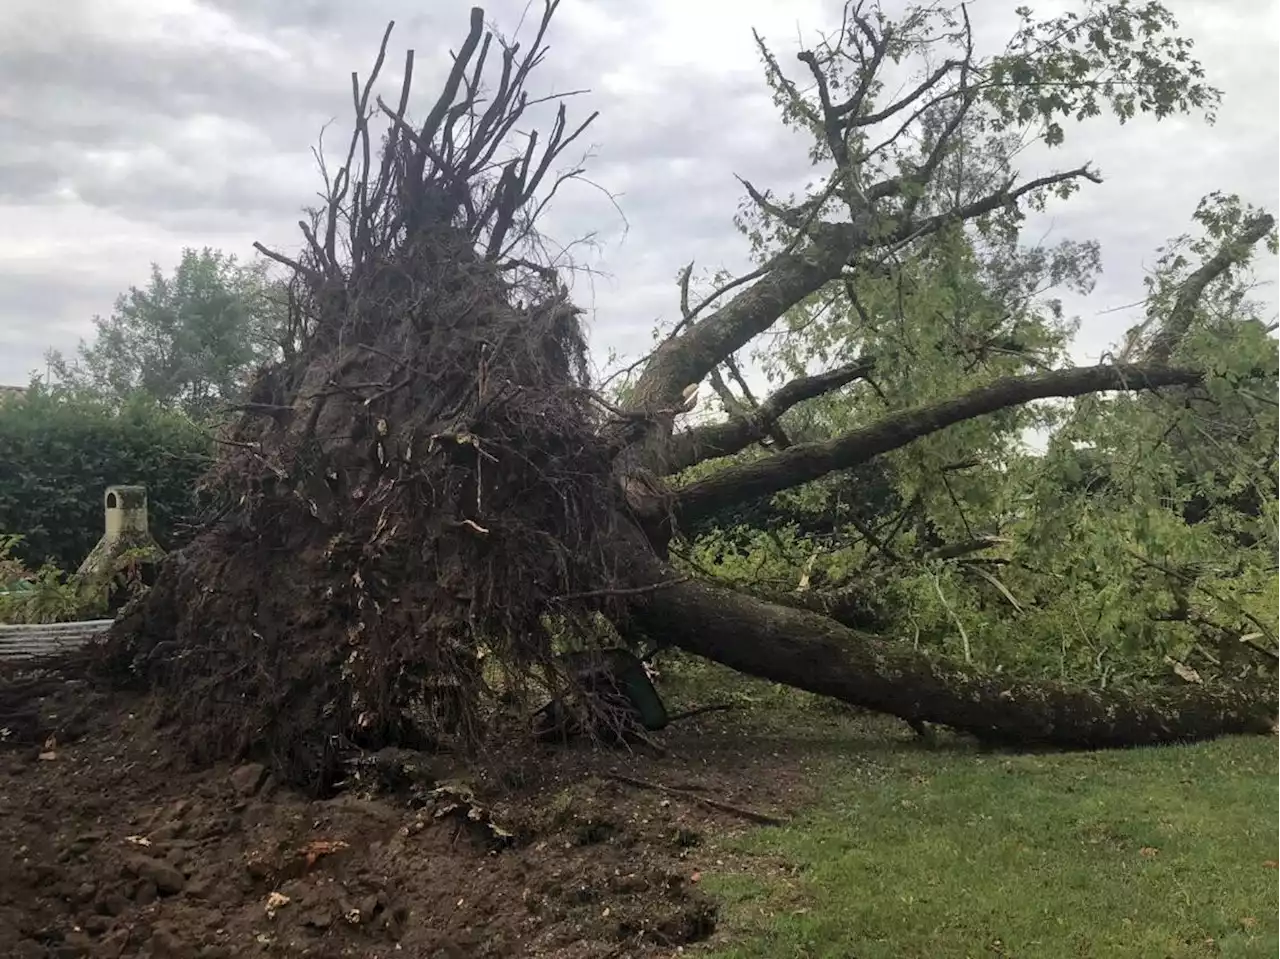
(808, 651)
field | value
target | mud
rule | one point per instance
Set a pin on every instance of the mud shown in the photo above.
(111, 847)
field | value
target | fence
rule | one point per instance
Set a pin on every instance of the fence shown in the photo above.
(33, 641)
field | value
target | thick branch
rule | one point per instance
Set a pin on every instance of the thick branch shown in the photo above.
(1179, 320)
(809, 461)
(737, 433)
(812, 652)
(786, 279)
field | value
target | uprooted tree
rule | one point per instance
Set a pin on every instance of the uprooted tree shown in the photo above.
(429, 498)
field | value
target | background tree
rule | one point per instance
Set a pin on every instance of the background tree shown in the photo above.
(426, 501)
(134, 406)
(190, 340)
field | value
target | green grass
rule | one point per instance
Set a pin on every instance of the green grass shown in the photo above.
(1164, 853)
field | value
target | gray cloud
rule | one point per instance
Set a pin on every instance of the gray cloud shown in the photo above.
(36, 314)
(143, 126)
(90, 93)
(25, 177)
(28, 294)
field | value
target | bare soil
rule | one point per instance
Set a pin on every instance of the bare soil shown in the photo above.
(112, 846)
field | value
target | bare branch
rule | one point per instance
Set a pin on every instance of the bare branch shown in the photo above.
(286, 261)
(968, 96)
(732, 405)
(792, 218)
(870, 66)
(925, 86)
(736, 373)
(1007, 196)
(833, 129)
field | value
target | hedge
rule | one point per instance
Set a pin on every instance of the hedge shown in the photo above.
(58, 453)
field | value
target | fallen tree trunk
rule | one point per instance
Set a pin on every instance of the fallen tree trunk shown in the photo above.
(811, 652)
(854, 606)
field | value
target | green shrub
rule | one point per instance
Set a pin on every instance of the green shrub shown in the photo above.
(58, 453)
(51, 595)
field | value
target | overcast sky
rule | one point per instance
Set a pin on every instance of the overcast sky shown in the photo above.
(132, 128)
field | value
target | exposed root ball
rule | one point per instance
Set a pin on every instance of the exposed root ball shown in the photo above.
(410, 496)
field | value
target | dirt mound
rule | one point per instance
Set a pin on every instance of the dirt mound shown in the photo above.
(119, 849)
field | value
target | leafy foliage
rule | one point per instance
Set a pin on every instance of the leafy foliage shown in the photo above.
(1145, 534)
(1122, 55)
(45, 595)
(60, 449)
(51, 595)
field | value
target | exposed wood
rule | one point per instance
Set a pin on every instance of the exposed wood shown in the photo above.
(34, 641)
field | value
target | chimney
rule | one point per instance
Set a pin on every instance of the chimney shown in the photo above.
(126, 546)
(126, 511)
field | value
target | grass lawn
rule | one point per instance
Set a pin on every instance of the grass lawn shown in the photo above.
(950, 851)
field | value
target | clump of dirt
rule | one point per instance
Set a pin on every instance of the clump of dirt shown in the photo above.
(115, 847)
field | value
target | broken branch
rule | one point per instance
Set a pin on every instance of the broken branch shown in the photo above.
(748, 814)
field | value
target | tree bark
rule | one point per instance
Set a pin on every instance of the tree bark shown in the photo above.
(811, 652)
(809, 461)
(1174, 327)
(738, 432)
(790, 276)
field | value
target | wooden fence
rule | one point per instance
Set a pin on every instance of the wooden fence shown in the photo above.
(33, 641)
